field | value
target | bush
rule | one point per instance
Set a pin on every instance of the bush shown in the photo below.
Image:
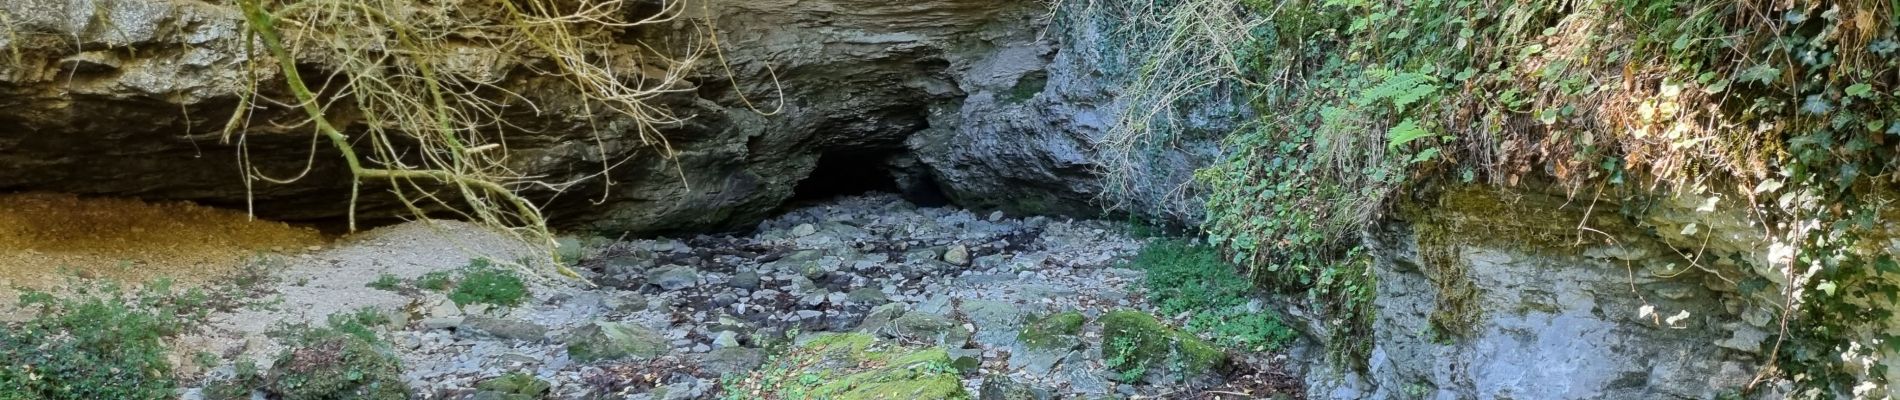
(486, 284)
(338, 367)
(344, 359)
(1188, 278)
(386, 281)
(104, 342)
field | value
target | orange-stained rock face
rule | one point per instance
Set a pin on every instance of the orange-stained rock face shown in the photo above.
(47, 237)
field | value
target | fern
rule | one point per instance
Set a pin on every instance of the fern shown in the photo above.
(1403, 89)
(1405, 132)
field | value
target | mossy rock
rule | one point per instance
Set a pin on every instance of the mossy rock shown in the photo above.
(613, 341)
(856, 366)
(337, 367)
(1137, 342)
(927, 327)
(1053, 332)
(922, 374)
(512, 386)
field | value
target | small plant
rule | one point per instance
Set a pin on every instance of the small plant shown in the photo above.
(483, 283)
(244, 379)
(435, 281)
(106, 342)
(1122, 361)
(337, 367)
(386, 281)
(514, 386)
(343, 359)
(1192, 279)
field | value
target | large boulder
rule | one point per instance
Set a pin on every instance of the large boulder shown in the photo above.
(614, 341)
(1491, 293)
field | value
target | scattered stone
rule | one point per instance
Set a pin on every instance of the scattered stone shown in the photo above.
(442, 323)
(614, 340)
(803, 230)
(726, 339)
(957, 254)
(867, 296)
(506, 328)
(513, 386)
(673, 277)
(746, 279)
(568, 248)
(1000, 322)
(626, 303)
(731, 360)
(1000, 387)
(920, 255)
(881, 316)
(927, 327)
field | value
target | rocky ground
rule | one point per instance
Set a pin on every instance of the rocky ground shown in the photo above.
(1016, 306)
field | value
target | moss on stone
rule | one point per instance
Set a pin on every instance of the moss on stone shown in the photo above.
(920, 374)
(337, 367)
(855, 366)
(613, 340)
(513, 386)
(1053, 331)
(1158, 348)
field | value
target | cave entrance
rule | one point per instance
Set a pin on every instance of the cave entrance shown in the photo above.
(856, 172)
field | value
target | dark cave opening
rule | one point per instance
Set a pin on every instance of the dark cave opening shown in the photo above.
(856, 172)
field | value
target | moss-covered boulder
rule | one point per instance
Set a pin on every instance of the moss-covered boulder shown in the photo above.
(856, 366)
(1137, 347)
(512, 386)
(337, 367)
(1054, 331)
(613, 340)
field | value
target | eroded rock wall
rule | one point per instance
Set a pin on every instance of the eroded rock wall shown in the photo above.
(1529, 292)
(129, 98)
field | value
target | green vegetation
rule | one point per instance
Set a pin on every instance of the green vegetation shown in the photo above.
(1790, 106)
(1193, 279)
(343, 359)
(482, 283)
(850, 366)
(101, 342)
(386, 281)
(1139, 345)
(435, 281)
(1054, 331)
(338, 367)
(513, 386)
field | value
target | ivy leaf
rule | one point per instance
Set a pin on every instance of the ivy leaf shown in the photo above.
(1465, 75)
(1814, 104)
(1886, 265)
(1716, 87)
(1405, 132)
(1767, 186)
(1423, 156)
(1760, 73)
(1860, 90)
(1826, 287)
